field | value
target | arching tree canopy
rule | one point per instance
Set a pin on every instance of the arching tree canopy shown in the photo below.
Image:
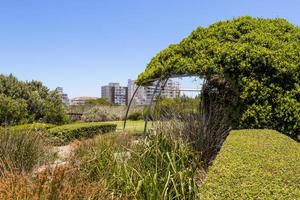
(260, 57)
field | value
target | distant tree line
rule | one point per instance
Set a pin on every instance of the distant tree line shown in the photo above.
(26, 102)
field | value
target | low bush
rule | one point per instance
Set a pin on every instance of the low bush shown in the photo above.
(20, 151)
(104, 113)
(66, 133)
(136, 116)
(32, 127)
(255, 164)
(108, 113)
(161, 167)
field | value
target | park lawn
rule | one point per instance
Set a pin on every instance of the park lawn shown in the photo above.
(255, 164)
(136, 127)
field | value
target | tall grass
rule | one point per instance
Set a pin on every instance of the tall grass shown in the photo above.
(160, 167)
(20, 151)
(61, 184)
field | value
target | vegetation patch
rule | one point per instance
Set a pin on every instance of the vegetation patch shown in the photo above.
(21, 151)
(27, 102)
(64, 134)
(161, 167)
(32, 127)
(255, 164)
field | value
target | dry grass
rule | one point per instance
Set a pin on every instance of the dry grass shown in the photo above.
(62, 184)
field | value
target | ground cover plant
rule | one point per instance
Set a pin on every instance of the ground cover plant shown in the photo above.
(64, 134)
(255, 164)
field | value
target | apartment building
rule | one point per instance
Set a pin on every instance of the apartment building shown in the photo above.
(144, 94)
(64, 96)
(115, 93)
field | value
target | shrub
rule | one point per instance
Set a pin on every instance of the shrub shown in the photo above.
(20, 151)
(66, 133)
(161, 167)
(108, 113)
(179, 107)
(136, 116)
(255, 164)
(31, 127)
(104, 113)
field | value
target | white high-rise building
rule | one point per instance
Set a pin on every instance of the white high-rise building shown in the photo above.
(144, 94)
(115, 93)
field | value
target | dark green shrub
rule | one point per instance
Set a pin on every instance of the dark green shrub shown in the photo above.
(255, 164)
(136, 116)
(66, 133)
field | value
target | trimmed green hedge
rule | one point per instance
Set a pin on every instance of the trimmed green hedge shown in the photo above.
(31, 127)
(66, 133)
(255, 164)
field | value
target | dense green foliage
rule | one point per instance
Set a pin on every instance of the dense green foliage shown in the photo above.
(66, 133)
(107, 113)
(179, 107)
(135, 116)
(259, 57)
(255, 164)
(162, 167)
(31, 127)
(99, 101)
(26, 102)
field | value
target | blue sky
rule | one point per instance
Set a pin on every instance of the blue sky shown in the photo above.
(83, 44)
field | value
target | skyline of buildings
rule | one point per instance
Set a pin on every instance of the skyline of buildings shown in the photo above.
(121, 95)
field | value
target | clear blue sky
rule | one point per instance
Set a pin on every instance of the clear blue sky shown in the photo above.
(83, 44)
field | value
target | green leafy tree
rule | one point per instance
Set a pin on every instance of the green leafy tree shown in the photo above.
(54, 109)
(12, 111)
(259, 57)
(29, 102)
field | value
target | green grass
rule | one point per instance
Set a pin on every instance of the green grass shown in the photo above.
(255, 164)
(136, 127)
